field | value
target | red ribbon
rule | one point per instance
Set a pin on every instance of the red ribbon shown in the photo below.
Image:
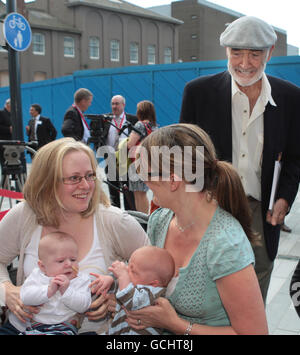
(11, 194)
(121, 123)
(81, 115)
(2, 214)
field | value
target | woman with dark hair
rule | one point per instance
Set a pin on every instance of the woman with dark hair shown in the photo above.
(146, 124)
(204, 222)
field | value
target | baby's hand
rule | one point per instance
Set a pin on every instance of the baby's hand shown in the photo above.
(102, 284)
(118, 268)
(63, 283)
(52, 288)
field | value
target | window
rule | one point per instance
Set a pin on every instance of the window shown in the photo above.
(151, 54)
(38, 44)
(168, 55)
(4, 78)
(115, 50)
(69, 47)
(134, 52)
(194, 36)
(39, 75)
(94, 47)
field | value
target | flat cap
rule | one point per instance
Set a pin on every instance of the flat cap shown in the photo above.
(248, 32)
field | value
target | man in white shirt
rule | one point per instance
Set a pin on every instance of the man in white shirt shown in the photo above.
(252, 119)
(115, 133)
(39, 128)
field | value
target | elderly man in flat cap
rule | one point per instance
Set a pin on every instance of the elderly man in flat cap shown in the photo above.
(253, 119)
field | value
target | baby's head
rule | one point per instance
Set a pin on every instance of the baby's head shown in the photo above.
(152, 266)
(58, 254)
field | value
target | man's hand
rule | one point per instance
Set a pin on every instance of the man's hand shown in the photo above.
(279, 212)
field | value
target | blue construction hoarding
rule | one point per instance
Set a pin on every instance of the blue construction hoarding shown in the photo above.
(162, 84)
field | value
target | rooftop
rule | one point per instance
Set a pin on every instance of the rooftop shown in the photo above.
(124, 7)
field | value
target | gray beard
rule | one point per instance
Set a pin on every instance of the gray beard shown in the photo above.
(250, 82)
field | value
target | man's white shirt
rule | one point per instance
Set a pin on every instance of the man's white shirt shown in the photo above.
(248, 136)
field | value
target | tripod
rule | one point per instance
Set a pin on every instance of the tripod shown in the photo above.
(14, 167)
(99, 128)
(9, 174)
(122, 188)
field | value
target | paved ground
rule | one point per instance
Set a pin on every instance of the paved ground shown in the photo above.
(281, 315)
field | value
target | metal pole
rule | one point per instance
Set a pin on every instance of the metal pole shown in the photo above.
(15, 92)
(15, 84)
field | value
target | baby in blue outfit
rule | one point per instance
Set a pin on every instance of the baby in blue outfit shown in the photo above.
(137, 285)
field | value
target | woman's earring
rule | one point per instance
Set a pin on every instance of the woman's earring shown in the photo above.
(208, 196)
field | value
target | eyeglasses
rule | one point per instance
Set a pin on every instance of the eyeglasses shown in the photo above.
(76, 179)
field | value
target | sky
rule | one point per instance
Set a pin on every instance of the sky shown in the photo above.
(284, 14)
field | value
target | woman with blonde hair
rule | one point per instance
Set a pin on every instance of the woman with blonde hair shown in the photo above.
(204, 222)
(62, 192)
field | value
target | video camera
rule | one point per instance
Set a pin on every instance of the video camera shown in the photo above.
(13, 150)
(97, 128)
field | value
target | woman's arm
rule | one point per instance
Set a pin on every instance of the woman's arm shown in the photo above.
(9, 246)
(15, 227)
(242, 299)
(127, 235)
(240, 295)
(15, 305)
(133, 139)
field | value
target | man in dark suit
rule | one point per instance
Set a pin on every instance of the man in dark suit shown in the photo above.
(40, 128)
(74, 124)
(113, 134)
(252, 119)
(5, 127)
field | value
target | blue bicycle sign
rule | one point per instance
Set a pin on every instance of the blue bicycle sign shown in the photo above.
(17, 31)
(16, 22)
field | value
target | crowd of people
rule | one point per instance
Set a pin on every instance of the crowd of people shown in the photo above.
(205, 263)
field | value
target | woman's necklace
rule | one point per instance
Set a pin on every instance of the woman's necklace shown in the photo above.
(183, 229)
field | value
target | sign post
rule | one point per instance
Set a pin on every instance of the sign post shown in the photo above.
(17, 33)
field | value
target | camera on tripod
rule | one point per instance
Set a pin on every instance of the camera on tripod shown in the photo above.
(13, 150)
(14, 167)
(97, 128)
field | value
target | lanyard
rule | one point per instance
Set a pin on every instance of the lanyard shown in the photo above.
(81, 115)
(118, 127)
